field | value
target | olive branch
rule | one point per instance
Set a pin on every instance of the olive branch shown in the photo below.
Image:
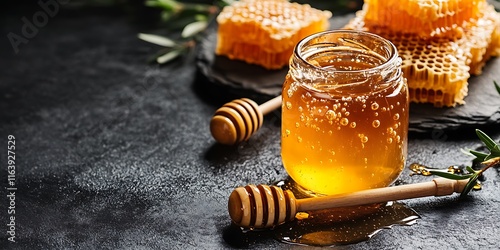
(487, 159)
(193, 17)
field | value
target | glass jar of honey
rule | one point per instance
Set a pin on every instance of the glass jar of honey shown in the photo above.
(344, 113)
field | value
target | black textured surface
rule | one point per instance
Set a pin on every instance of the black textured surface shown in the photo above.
(112, 153)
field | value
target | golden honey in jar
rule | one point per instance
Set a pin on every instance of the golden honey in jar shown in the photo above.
(344, 113)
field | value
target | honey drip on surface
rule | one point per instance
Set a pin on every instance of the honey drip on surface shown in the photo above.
(341, 226)
(419, 169)
(328, 227)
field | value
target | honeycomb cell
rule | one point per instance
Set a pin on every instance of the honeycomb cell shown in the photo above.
(264, 32)
(438, 69)
(434, 18)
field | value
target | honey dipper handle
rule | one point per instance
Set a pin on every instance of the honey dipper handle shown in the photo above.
(436, 187)
(270, 105)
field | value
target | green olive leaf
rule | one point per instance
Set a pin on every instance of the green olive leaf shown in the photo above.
(471, 170)
(158, 40)
(468, 187)
(228, 2)
(194, 28)
(168, 56)
(449, 175)
(497, 86)
(168, 5)
(200, 17)
(478, 155)
(490, 144)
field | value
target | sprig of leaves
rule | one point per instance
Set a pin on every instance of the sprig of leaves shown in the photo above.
(487, 159)
(192, 17)
(171, 49)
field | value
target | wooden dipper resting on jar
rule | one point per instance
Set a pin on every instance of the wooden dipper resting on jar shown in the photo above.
(237, 120)
(265, 206)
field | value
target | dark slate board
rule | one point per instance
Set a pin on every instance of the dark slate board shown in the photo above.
(482, 106)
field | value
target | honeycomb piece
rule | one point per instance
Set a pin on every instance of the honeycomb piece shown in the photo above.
(482, 40)
(438, 69)
(264, 32)
(426, 18)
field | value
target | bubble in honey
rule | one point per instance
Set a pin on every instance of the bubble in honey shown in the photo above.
(347, 113)
(330, 115)
(389, 140)
(297, 124)
(396, 116)
(398, 139)
(344, 121)
(299, 139)
(353, 124)
(374, 106)
(304, 97)
(384, 109)
(364, 138)
(346, 99)
(375, 114)
(287, 132)
(302, 117)
(301, 109)
(390, 130)
(376, 123)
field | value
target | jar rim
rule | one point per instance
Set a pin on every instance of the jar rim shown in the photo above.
(390, 60)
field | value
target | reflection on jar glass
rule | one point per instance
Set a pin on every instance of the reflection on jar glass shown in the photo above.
(345, 113)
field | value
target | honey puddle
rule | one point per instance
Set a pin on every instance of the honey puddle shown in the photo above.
(329, 227)
(342, 226)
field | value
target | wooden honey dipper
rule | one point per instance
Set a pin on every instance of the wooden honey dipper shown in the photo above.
(237, 120)
(265, 206)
